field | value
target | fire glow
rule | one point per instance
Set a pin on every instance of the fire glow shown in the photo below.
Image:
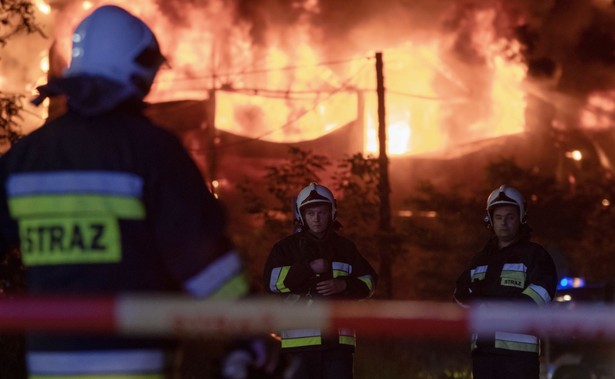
(288, 89)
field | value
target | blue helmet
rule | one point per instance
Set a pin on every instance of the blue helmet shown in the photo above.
(114, 44)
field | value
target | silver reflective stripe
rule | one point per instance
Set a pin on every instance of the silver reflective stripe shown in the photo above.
(276, 281)
(273, 280)
(516, 337)
(93, 362)
(299, 333)
(514, 267)
(341, 266)
(91, 182)
(214, 276)
(478, 272)
(540, 291)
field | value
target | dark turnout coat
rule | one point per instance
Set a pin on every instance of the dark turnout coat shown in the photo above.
(287, 273)
(524, 272)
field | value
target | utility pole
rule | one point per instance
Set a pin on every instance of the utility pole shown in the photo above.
(210, 144)
(384, 188)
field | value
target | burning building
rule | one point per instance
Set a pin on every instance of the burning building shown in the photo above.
(465, 81)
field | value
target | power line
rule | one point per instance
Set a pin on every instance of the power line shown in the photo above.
(266, 70)
(293, 120)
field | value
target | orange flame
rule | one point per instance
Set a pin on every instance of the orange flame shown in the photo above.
(288, 92)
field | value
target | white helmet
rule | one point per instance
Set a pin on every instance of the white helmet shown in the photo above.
(506, 195)
(314, 194)
(116, 45)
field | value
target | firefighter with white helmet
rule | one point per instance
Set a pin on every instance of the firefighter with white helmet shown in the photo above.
(509, 268)
(316, 264)
(101, 202)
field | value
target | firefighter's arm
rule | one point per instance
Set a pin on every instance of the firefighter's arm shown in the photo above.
(189, 227)
(464, 292)
(541, 279)
(361, 283)
(283, 276)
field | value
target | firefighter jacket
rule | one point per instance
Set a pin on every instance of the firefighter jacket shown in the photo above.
(523, 271)
(107, 205)
(288, 274)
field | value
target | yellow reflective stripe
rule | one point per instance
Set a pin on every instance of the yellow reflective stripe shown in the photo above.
(367, 279)
(338, 273)
(279, 284)
(302, 341)
(118, 206)
(348, 340)
(100, 376)
(538, 293)
(516, 341)
(234, 288)
(535, 296)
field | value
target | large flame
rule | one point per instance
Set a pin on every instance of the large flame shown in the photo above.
(289, 89)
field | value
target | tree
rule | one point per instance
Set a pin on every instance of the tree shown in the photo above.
(16, 17)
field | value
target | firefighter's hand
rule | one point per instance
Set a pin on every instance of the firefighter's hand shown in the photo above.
(331, 287)
(320, 265)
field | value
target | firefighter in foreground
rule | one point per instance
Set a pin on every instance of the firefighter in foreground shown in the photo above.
(508, 268)
(101, 201)
(313, 264)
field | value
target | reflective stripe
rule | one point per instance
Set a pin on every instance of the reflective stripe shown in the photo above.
(347, 337)
(301, 337)
(297, 333)
(369, 281)
(538, 293)
(516, 341)
(103, 376)
(299, 342)
(341, 269)
(276, 281)
(348, 340)
(215, 276)
(310, 337)
(101, 182)
(122, 207)
(520, 267)
(117, 362)
(478, 272)
(235, 288)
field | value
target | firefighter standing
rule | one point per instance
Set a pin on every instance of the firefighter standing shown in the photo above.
(508, 268)
(101, 201)
(315, 264)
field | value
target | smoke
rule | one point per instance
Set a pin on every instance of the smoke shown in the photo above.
(568, 46)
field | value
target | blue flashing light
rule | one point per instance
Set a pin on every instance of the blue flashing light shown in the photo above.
(568, 282)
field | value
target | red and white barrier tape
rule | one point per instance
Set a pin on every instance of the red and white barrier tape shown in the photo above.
(168, 315)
